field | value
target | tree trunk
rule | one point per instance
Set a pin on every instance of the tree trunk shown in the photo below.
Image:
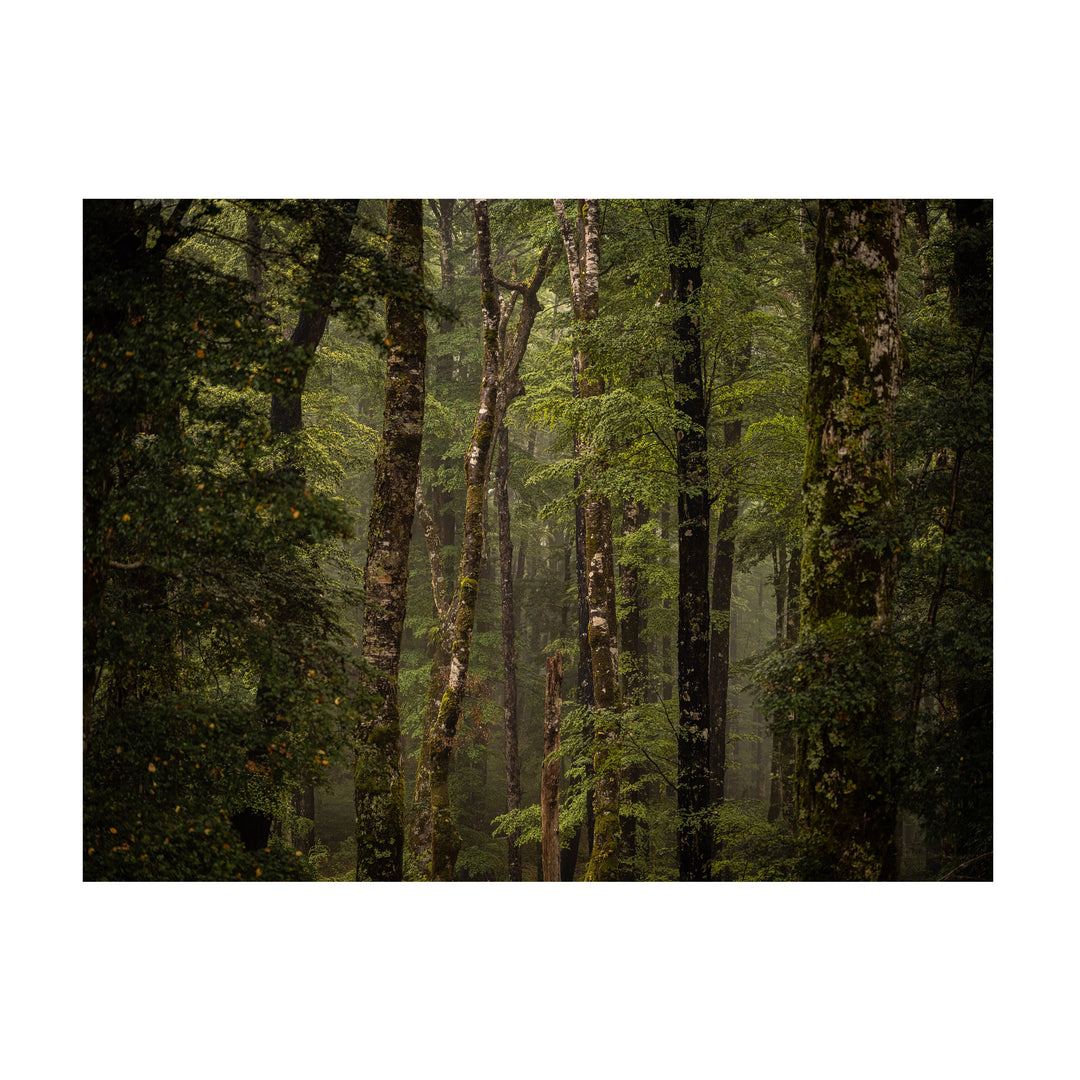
(604, 861)
(635, 515)
(583, 260)
(549, 779)
(510, 385)
(694, 831)
(379, 790)
(585, 697)
(445, 843)
(510, 724)
(846, 791)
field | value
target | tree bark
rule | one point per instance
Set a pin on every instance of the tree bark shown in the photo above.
(510, 386)
(549, 779)
(510, 725)
(720, 644)
(445, 843)
(632, 660)
(379, 787)
(693, 830)
(583, 260)
(847, 799)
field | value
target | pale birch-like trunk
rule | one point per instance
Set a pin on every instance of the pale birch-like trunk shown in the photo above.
(583, 261)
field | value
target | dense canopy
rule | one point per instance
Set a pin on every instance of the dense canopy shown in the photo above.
(525, 539)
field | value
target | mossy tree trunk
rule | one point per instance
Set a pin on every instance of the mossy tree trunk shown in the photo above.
(506, 581)
(846, 790)
(585, 697)
(419, 839)
(632, 665)
(549, 778)
(445, 843)
(583, 260)
(379, 791)
(693, 829)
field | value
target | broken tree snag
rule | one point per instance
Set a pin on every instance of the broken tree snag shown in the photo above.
(549, 776)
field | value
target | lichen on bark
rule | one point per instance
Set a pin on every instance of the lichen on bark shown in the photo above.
(845, 788)
(444, 840)
(583, 263)
(379, 788)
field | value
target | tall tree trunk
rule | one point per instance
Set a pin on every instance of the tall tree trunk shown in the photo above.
(585, 697)
(737, 364)
(549, 779)
(694, 830)
(632, 661)
(510, 385)
(847, 798)
(583, 260)
(379, 788)
(510, 724)
(604, 861)
(445, 843)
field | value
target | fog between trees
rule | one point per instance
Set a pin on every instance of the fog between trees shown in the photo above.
(357, 472)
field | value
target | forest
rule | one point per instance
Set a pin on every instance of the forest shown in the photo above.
(537, 540)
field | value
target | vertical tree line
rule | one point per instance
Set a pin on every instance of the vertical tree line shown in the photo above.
(740, 485)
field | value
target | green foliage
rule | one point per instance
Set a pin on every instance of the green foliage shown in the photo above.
(218, 670)
(523, 823)
(750, 849)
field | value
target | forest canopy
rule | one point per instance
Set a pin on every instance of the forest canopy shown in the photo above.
(537, 539)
